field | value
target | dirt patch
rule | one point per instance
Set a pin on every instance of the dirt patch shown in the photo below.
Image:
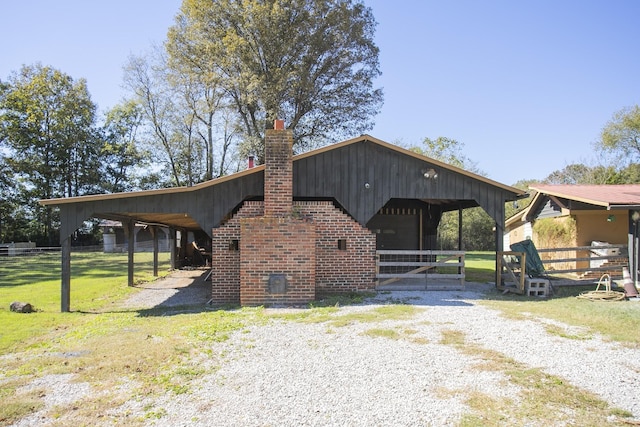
(181, 287)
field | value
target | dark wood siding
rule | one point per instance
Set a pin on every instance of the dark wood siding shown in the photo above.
(341, 173)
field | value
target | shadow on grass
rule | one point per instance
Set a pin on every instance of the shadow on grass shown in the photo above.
(171, 296)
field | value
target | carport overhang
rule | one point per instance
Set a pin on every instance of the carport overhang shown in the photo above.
(361, 175)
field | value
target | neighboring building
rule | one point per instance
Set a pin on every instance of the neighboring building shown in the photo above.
(597, 215)
(115, 239)
(299, 225)
(15, 249)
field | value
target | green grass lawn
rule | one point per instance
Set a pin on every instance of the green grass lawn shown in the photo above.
(617, 320)
(480, 267)
(97, 280)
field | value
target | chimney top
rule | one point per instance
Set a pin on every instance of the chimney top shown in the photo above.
(278, 124)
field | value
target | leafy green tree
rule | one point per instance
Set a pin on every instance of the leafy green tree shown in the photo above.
(147, 79)
(311, 63)
(629, 175)
(579, 174)
(621, 135)
(47, 129)
(574, 174)
(121, 157)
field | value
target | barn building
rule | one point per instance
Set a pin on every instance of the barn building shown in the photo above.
(299, 225)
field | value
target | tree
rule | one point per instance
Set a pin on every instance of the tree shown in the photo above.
(153, 93)
(309, 62)
(621, 135)
(121, 156)
(477, 225)
(47, 129)
(573, 174)
(185, 116)
(449, 151)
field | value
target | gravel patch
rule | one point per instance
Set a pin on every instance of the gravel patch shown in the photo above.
(55, 390)
(291, 373)
(287, 373)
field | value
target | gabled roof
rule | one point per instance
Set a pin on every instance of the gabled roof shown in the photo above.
(609, 196)
(564, 196)
(260, 168)
(360, 175)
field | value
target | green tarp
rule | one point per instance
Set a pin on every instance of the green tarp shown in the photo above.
(534, 266)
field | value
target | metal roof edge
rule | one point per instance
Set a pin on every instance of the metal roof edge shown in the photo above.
(143, 193)
(546, 191)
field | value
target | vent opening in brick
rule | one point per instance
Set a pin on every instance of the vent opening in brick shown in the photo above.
(277, 283)
(342, 244)
(234, 245)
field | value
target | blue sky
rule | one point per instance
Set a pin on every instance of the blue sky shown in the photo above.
(525, 85)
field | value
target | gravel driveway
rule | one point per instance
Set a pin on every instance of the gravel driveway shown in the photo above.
(292, 373)
(288, 373)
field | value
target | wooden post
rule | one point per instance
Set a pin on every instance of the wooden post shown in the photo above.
(632, 245)
(154, 233)
(130, 230)
(65, 285)
(498, 264)
(172, 244)
(460, 228)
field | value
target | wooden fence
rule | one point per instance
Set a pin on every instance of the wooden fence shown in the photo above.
(429, 269)
(567, 266)
(581, 260)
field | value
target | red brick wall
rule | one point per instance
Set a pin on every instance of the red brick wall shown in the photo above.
(278, 173)
(352, 269)
(336, 270)
(277, 245)
(225, 278)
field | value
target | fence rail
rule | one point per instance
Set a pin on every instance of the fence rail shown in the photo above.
(430, 266)
(609, 258)
(9, 251)
(599, 259)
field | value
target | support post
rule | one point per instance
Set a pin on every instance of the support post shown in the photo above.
(460, 228)
(499, 246)
(154, 233)
(172, 247)
(130, 228)
(632, 245)
(65, 285)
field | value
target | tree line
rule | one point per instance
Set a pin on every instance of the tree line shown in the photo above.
(199, 105)
(617, 154)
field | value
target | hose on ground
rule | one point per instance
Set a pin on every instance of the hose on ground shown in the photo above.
(603, 295)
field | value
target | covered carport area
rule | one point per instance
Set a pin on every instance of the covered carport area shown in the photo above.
(367, 178)
(181, 209)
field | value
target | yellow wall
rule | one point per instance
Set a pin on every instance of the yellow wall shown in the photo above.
(593, 225)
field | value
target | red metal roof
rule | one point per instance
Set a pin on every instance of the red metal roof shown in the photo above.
(603, 195)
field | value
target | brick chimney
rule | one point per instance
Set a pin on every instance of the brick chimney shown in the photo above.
(278, 174)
